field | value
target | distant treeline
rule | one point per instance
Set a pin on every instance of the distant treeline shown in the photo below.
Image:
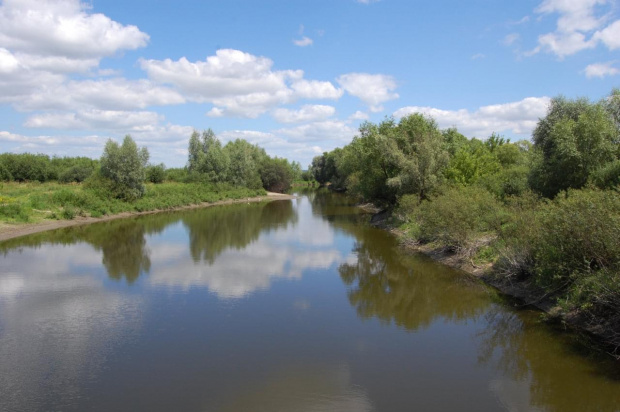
(545, 212)
(238, 163)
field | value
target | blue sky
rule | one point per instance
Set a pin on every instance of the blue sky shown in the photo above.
(295, 77)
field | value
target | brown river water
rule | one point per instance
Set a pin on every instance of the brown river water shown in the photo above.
(292, 305)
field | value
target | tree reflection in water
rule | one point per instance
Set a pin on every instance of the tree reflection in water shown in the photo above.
(410, 291)
(213, 230)
(552, 365)
(125, 253)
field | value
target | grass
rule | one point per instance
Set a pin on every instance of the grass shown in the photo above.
(35, 202)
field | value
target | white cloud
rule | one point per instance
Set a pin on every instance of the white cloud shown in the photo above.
(518, 118)
(107, 94)
(372, 89)
(610, 35)
(95, 120)
(367, 1)
(580, 26)
(478, 56)
(237, 83)
(303, 42)
(601, 70)
(359, 115)
(307, 113)
(335, 131)
(315, 89)
(64, 28)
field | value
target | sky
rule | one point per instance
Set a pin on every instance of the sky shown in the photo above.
(296, 77)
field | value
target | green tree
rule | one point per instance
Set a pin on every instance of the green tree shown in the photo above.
(206, 156)
(124, 166)
(245, 159)
(419, 155)
(573, 140)
(276, 174)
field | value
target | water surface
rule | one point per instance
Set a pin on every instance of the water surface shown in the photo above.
(282, 306)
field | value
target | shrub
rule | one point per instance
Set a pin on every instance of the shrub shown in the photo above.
(156, 173)
(276, 175)
(75, 174)
(5, 173)
(459, 216)
(579, 234)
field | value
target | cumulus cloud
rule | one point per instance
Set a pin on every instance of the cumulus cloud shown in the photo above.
(315, 89)
(236, 83)
(518, 118)
(105, 94)
(95, 120)
(359, 115)
(601, 70)
(62, 33)
(64, 28)
(307, 113)
(372, 89)
(580, 26)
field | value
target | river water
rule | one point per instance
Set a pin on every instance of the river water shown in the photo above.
(283, 306)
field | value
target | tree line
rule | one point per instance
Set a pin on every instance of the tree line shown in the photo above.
(123, 168)
(545, 212)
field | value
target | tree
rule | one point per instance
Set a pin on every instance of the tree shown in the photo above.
(276, 174)
(245, 159)
(205, 156)
(124, 166)
(419, 155)
(574, 140)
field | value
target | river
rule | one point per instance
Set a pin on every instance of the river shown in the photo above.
(292, 305)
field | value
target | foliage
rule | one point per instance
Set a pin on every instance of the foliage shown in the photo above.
(26, 167)
(156, 173)
(75, 173)
(124, 167)
(458, 217)
(5, 173)
(276, 175)
(419, 156)
(207, 157)
(245, 160)
(573, 140)
(607, 176)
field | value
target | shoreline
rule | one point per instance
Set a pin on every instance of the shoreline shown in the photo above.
(11, 231)
(599, 339)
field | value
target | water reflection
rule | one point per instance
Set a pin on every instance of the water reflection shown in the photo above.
(213, 230)
(546, 365)
(176, 331)
(237, 252)
(410, 291)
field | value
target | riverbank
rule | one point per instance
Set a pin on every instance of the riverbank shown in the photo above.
(14, 230)
(601, 333)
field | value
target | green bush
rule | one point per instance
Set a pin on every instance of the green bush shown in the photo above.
(15, 211)
(5, 173)
(156, 173)
(579, 234)
(75, 174)
(458, 217)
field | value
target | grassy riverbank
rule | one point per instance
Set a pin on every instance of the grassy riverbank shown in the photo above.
(35, 202)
